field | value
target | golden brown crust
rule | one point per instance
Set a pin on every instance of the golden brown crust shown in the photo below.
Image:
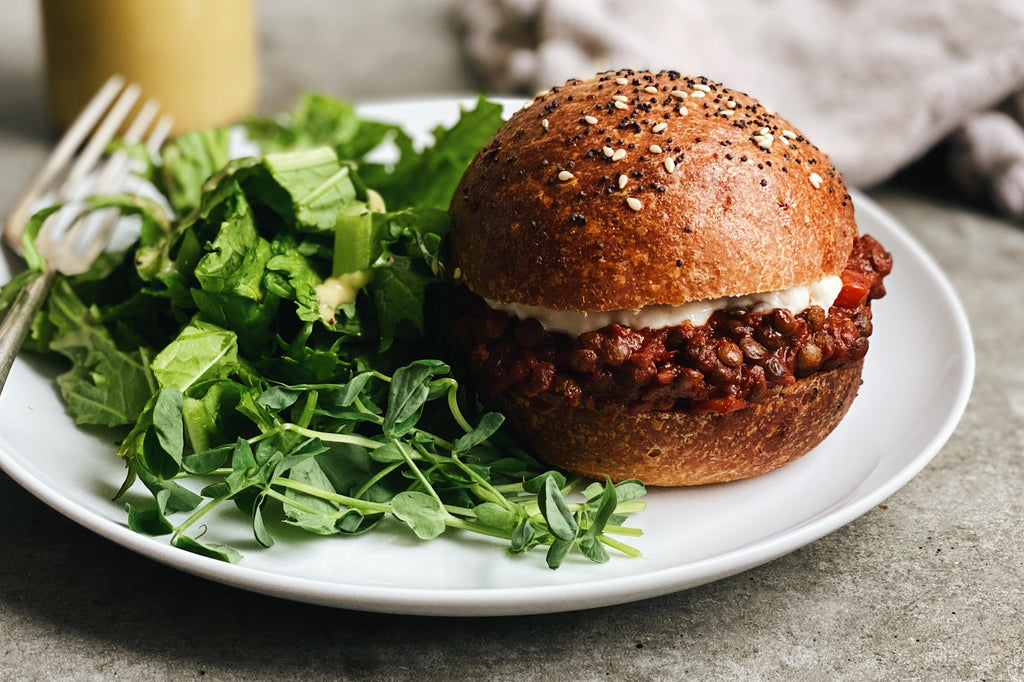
(540, 218)
(679, 448)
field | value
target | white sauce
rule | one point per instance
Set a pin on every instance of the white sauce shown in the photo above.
(797, 299)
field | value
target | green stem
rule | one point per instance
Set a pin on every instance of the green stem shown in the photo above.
(463, 512)
(270, 492)
(453, 405)
(531, 506)
(198, 514)
(486, 491)
(456, 522)
(416, 470)
(436, 440)
(624, 530)
(508, 488)
(350, 438)
(377, 477)
(621, 546)
(361, 505)
(307, 411)
(490, 495)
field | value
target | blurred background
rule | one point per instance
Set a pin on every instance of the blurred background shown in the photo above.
(374, 49)
(878, 85)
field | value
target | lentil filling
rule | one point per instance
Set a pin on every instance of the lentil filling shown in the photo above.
(736, 358)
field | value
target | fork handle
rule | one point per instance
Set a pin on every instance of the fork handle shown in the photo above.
(19, 318)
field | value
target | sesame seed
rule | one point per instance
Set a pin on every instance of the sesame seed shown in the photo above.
(701, 87)
(620, 105)
(732, 104)
(565, 176)
(764, 141)
(608, 151)
(764, 131)
(623, 179)
(788, 133)
(727, 112)
(651, 89)
(457, 273)
(683, 111)
(670, 165)
(620, 98)
(815, 180)
(622, 81)
(679, 94)
(591, 120)
(619, 155)
(545, 124)
(655, 149)
(658, 127)
(634, 203)
(697, 93)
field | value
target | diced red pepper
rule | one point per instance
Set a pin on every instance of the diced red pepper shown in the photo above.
(720, 405)
(856, 287)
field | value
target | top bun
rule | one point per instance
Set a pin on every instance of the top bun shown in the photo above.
(634, 188)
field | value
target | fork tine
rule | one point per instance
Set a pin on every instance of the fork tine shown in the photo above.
(65, 255)
(142, 121)
(98, 241)
(96, 145)
(60, 156)
(160, 133)
(118, 160)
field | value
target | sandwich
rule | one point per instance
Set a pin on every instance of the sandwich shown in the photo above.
(664, 281)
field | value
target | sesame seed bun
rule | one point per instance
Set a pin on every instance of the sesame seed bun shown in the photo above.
(633, 188)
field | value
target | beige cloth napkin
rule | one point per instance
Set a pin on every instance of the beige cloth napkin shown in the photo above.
(875, 83)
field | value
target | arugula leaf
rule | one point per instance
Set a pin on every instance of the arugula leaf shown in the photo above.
(307, 188)
(202, 351)
(428, 177)
(188, 160)
(318, 120)
(167, 424)
(105, 386)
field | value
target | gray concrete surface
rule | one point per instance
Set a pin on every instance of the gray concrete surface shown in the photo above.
(929, 588)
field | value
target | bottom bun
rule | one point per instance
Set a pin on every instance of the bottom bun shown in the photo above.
(680, 448)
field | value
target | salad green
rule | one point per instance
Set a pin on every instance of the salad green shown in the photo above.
(274, 340)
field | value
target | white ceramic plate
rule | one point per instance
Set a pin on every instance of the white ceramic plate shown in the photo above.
(917, 379)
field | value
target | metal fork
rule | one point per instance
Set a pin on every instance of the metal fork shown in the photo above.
(76, 169)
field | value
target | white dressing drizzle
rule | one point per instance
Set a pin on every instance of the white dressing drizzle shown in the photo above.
(822, 293)
(335, 292)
